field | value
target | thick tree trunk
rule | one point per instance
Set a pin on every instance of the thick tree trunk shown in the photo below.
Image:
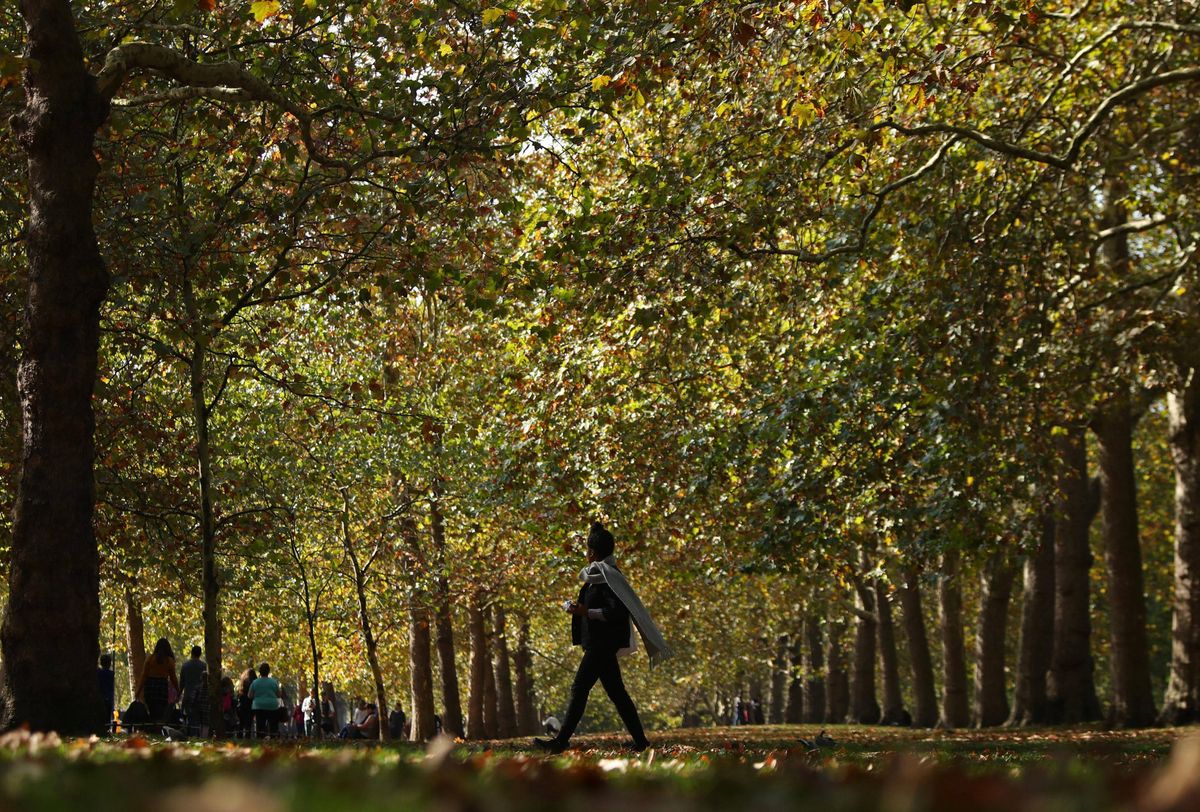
(1181, 703)
(135, 635)
(779, 681)
(1037, 632)
(955, 708)
(864, 707)
(894, 712)
(210, 585)
(506, 709)
(1071, 686)
(481, 664)
(491, 700)
(421, 673)
(814, 672)
(919, 658)
(838, 685)
(50, 640)
(1133, 700)
(527, 718)
(991, 694)
(795, 682)
(452, 717)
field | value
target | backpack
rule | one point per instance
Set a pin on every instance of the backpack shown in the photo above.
(136, 714)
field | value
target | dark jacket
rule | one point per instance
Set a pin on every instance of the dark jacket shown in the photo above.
(610, 634)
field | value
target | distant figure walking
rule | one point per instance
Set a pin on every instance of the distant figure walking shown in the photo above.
(600, 623)
(245, 706)
(106, 682)
(193, 688)
(157, 680)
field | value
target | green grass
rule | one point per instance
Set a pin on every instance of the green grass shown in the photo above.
(705, 769)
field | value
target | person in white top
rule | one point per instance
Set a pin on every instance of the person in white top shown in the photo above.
(309, 708)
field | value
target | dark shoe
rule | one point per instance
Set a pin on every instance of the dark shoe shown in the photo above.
(553, 746)
(637, 747)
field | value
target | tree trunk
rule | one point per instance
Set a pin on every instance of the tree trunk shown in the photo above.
(1071, 686)
(364, 618)
(50, 640)
(527, 717)
(481, 660)
(919, 658)
(1133, 700)
(795, 689)
(814, 672)
(955, 709)
(893, 702)
(779, 681)
(1181, 703)
(1037, 632)
(421, 674)
(452, 717)
(991, 693)
(864, 707)
(506, 709)
(135, 635)
(491, 701)
(210, 585)
(838, 681)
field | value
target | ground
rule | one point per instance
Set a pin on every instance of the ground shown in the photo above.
(868, 768)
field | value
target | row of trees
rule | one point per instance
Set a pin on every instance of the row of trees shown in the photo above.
(818, 303)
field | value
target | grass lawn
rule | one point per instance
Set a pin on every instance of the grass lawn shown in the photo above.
(870, 768)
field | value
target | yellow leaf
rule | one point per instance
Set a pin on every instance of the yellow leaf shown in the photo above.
(490, 15)
(446, 49)
(262, 9)
(600, 81)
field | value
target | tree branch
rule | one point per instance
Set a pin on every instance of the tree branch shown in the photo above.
(1066, 161)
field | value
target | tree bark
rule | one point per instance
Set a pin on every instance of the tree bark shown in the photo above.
(795, 687)
(955, 709)
(838, 685)
(51, 630)
(864, 707)
(1181, 703)
(506, 709)
(991, 692)
(452, 716)
(1037, 632)
(779, 681)
(364, 617)
(527, 717)
(894, 712)
(135, 635)
(1133, 700)
(491, 701)
(919, 657)
(814, 672)
(210, 584)
(1071, 686)
(421, 674)
(481, 660)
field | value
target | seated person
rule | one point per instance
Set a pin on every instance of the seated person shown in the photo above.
(367, 728)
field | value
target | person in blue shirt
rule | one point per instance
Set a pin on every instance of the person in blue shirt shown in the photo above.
(265, 694)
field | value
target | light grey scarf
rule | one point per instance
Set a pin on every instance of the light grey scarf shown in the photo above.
(606, 572)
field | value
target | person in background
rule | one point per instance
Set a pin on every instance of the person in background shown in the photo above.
(360, 715)
(368, 728)
(157, 680)
(193, 683)
(310, 708)
(245, 709)
(265, 696)
(328, 710)
(396, 722)
(106, 681)
(229, 705)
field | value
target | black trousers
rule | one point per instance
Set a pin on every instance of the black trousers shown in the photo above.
(603, 666)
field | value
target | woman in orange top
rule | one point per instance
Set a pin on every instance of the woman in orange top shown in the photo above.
(157, 674)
